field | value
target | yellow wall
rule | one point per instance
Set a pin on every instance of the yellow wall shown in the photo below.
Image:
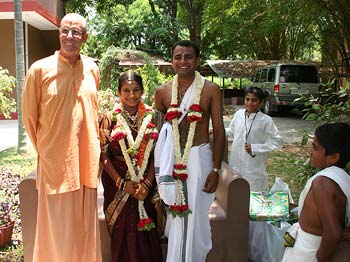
(7, 46)
(41, 43)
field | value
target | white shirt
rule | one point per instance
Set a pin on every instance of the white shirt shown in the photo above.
(259, 130)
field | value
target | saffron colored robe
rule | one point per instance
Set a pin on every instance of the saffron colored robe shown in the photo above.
(59, 110)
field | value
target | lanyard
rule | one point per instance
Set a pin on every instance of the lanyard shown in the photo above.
(247, 131)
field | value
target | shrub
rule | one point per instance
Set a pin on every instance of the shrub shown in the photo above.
(329, 106)
(7, 85)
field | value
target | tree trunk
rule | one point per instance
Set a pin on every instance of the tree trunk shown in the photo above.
(21, 144)
(194, 16)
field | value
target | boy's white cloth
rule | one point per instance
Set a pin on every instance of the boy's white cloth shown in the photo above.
(306, 244)
(339, 176)
(263, 137)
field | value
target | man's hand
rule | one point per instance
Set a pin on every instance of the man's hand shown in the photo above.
(211, 183)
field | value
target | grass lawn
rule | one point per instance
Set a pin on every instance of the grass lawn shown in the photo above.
(287, 163)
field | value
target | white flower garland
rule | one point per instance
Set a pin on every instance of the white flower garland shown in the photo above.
(182, 160)
(134, 145)
(136, 175)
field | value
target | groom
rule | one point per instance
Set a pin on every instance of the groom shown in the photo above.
(189, 233)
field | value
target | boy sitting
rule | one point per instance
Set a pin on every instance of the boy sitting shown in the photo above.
(324, 202)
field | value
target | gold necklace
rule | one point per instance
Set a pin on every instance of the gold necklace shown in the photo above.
(132, 120)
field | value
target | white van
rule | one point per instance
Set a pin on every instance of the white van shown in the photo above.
(285, 82)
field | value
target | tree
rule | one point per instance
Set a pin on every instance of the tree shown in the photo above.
(122, 24)
(265, 29)
(334, 23)
(19, 72)
(193, 13)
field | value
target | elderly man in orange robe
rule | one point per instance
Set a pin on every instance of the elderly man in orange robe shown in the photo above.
(59, 107)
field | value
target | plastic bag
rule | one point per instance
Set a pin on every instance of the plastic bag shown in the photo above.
(280, 185)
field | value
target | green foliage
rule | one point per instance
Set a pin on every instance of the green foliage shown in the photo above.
(123, 24)
(7, 85)
(304, 170)
(152, 78)
(330, 106)
(259, 29)
(106, 99)
(110, 71)
(12, 253)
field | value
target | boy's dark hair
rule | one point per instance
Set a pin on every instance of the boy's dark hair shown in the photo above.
(186, 43)
(335, 138)
(129, 75)
(258, 92)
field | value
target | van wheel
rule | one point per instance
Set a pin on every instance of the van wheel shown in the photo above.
(267, 106)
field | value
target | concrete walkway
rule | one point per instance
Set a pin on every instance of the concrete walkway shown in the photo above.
(9, 134)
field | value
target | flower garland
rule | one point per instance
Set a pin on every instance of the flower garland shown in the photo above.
(180, 207)
(132, 155)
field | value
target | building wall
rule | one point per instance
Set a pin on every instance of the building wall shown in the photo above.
(41, 43)
(55, 7)
(7, 46)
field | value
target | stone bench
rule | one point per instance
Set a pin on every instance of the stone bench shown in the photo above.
(228, 218)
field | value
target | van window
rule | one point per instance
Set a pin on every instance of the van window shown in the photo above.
(271, 75)
(257, 77)
(263, 75)
(298, 74)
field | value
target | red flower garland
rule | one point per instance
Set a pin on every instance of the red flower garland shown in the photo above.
(179, 172)
(179, 210)
(145, 224)
(195, 113)
(173, 112)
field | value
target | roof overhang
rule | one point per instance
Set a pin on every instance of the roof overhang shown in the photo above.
(33, 13)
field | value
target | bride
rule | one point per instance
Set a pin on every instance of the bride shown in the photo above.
(127, 137)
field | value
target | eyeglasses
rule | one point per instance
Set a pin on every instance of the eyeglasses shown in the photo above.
(75, 32)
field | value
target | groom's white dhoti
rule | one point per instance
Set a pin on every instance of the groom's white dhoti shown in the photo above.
(189, 238)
